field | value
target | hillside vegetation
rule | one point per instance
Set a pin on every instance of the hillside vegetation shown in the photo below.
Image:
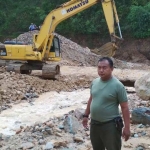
(16, 16)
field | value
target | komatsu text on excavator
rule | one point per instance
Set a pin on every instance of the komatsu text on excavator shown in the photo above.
(46, 46)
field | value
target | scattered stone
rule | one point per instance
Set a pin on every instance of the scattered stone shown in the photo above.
(136, 135)
(48, 130)
(58, 134)
(35, 95)
(130, 90)
(41, 141)
(78, 139)
(1, 136)
(71, 124)
(140, 126)
(84, 102)
(28, 95)
(17, 122)
(18, 131)
(6, 138)
(140, 148)
(1, 145)
(141, 115)
(68, 149)
(18, 92)
(49, 146)
(143, 133)
(45, 133)
(87, 133)
(143, 146)
(79, 113)
(37, 128)
(1, 76)
(21, 127)
(31, 140)
(58, 143)
(27, 145)
(61, 127)
(127, 146)
(27, 129)
(50, 124)
(57, 130)
(144, 102)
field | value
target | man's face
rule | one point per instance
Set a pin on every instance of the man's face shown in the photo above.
(104, 70)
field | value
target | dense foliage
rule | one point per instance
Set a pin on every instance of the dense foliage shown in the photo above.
(16, 16)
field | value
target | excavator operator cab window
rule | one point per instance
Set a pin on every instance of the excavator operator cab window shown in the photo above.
(56, 47)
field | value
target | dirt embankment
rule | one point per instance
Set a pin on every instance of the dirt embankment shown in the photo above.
(133, 50)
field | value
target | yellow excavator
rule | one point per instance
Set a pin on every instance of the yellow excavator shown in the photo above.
(46, 46)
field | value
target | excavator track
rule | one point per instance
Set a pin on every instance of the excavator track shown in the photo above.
(17, 68)
(107, 49)
(49, 71)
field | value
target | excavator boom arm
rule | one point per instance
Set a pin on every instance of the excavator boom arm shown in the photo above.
(69, 9)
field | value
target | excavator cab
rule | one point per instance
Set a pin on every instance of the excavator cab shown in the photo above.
(55, 48)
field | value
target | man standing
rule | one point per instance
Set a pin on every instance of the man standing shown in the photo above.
(107, 93)
(32, 27)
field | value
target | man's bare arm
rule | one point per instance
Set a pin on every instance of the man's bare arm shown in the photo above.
(126, 118)
(87, 111)
(126, 114)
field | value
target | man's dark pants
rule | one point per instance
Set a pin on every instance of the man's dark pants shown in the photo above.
(105, 136)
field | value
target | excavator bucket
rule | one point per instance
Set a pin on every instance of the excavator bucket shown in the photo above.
(107, 49)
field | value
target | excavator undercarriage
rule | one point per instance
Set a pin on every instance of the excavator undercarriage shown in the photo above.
(49, 71)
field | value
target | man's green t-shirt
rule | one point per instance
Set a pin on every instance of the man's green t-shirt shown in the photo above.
(106, 96)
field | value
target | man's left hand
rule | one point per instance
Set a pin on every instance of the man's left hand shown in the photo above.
(126, 133)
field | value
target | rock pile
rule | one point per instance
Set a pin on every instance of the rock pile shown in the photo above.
(74, 54)
(26, 37)
(71, 51)
(56, 133)
(19, 87)
(61, 134)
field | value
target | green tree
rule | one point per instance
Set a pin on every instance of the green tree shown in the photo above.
(16, 16)
(139, 20)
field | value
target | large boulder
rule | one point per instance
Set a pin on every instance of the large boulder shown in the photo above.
(71, 124)
(142, 87)
(141, 115)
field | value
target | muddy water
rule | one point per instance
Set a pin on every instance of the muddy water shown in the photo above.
(47, 105)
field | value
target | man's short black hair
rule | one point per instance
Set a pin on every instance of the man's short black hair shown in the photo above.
(111, 64)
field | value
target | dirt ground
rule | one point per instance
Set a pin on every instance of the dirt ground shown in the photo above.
(33, 109)
(75, 82)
